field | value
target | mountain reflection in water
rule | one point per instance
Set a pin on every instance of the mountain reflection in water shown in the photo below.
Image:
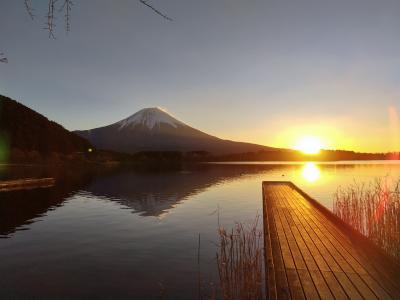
(147, 192)
(155, 193)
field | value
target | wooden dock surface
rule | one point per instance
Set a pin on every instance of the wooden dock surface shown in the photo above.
(27, 183)
(311, 254)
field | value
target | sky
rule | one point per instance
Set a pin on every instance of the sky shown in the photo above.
(268, 72)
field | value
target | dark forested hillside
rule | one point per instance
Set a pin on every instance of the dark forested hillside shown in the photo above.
(27, 135)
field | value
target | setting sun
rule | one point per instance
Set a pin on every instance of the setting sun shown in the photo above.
(309, 145)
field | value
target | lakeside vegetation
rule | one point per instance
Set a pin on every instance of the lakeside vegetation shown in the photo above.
(373, 209)
(240, 261)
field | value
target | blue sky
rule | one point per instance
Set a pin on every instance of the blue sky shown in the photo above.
(251, 70)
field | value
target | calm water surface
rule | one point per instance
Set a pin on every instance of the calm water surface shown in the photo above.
(130, 234)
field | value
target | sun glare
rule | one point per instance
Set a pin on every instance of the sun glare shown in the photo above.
(311, 172)
(309, 145)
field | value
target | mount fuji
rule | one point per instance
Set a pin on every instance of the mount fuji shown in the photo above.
(153, 129)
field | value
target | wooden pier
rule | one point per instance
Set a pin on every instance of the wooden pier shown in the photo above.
(28, 183)
(311, 254)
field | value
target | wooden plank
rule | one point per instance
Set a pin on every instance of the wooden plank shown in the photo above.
(315, 257)
(27, 183)
(335, 287)
(296, 290)
(293, 278)
(340, 258)
(279, 278)
(334, 237)
(315, 273)
(344, 281)
(269, 260)
(337, 284)
(362, 262)
(384, 265)
(364, 282)
(353, 274)
(302, 271)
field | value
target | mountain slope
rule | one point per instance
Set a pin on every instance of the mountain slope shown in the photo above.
(23, 131)
(153, 129)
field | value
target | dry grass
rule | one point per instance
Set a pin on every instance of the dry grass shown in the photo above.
(240, 260)
(373, 209)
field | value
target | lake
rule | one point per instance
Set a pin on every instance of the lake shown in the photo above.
(121, 233)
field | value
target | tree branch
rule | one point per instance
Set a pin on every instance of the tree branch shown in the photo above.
(67, 7)
(53, 8)
(3, 59)
(145, 2)
(29, 9)
(50, 18)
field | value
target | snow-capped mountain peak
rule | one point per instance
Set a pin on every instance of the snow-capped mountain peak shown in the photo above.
(153, 129)
(150, 118)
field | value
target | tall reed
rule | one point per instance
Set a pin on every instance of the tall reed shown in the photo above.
(240, 260)
(373, 209)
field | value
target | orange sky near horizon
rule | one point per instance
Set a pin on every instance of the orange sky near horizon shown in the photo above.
(345, 133)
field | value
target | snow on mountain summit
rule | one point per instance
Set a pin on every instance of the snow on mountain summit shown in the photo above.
(150, 117)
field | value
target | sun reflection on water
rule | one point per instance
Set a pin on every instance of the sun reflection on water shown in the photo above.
(311, 172)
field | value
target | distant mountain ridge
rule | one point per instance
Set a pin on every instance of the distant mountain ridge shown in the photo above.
(153, 129)
(28, 135)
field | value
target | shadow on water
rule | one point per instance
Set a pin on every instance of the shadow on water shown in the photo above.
(21, 208)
